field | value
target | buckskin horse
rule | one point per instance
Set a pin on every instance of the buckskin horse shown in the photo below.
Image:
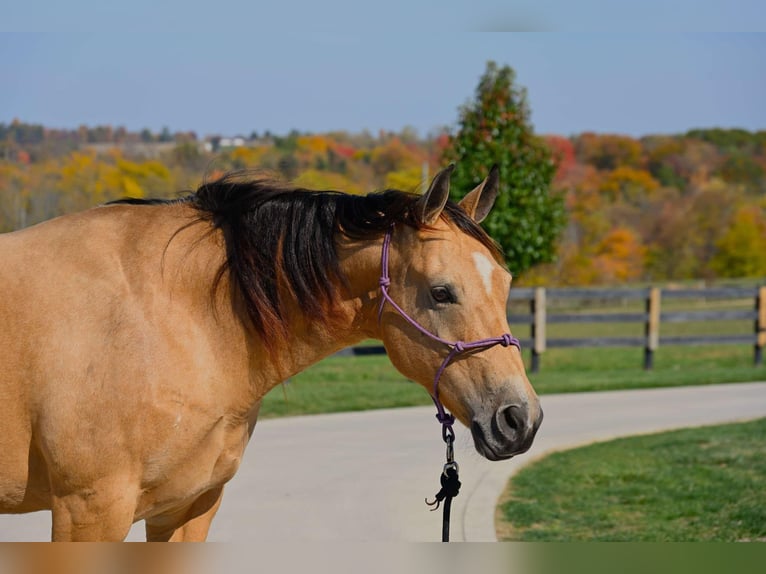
(138, 338)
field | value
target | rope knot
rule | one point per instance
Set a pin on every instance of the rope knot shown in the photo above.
(450, 486)
(507, 340)
(384, 282)
(445, 418)
(460, 346)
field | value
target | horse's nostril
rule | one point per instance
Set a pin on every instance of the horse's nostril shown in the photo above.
(506, 433)
(511, 415)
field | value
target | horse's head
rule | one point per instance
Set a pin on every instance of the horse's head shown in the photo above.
(448, 277)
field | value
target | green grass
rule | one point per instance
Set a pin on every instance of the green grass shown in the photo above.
(702, 484)
(579, 370)
(358, 383)
(366, 382)
(344, 384)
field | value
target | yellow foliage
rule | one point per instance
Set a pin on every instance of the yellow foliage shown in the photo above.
(131, 188)
(394, 156)
(630, 183)
(741, 251)
(143, 170)
(86, 180)
(313, 144)
(14, 194)
(9, 173)
(326, 181)
(78, 163)
(406, 180)
(246, 157)
(83, 180)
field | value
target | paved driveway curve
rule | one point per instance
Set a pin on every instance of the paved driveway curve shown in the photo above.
(363, 476)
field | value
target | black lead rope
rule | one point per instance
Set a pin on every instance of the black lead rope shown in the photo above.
(450, 486)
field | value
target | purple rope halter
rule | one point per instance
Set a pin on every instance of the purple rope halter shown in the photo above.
(456, 348)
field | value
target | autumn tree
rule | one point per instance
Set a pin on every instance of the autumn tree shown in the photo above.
(495, 129)
(740, 168)
(563, 154)
(608, 151)
(629, 184)
(620, 256)
(681, 232)
(741, 251)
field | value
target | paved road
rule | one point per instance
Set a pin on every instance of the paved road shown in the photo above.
(363, 476)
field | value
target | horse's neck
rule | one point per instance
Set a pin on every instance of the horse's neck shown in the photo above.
(353, 319)
(354, 316)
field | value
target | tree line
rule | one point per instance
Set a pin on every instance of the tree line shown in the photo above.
(587, 209)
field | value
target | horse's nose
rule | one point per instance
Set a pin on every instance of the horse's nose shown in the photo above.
(514, 427)
(508, 431)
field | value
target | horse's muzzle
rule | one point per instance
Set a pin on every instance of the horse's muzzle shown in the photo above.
(506, 433)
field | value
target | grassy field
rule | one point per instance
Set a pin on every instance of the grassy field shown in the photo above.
(359, 383)
(365, 382)
(703, 484)
(344, 384)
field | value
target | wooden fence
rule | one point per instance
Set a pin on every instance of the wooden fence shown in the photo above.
(652, 317)
(540, 315)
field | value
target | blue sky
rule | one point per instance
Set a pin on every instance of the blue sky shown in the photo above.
(232, 72)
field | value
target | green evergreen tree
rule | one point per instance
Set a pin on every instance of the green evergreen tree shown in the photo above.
(495, 129)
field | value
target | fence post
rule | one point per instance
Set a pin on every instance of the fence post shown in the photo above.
(652, 327)
(760, 325)
(538, 327)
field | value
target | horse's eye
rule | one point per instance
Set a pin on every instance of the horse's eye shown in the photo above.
(442, 294)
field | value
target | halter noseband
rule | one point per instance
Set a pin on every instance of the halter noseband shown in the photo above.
(456, 348)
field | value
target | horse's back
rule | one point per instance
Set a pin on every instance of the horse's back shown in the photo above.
(71, 306)
(62, 278)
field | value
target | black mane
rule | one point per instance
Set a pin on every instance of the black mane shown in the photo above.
(281, 239)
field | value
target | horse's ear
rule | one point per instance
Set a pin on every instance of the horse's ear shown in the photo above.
(478, 203)
(429, 207)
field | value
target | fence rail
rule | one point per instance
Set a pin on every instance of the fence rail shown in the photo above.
(652, 318)
(539, 317)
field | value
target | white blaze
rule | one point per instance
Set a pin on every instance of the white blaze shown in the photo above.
(485, 267)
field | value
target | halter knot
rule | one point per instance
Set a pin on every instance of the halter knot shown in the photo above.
(459, 346)
(384, 282)
(507, 340)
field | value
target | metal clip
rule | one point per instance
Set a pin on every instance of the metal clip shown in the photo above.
(451, 465)
(448, 433)
(450, 452)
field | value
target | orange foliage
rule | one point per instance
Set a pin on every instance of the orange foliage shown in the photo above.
(313, 144)
(653, 208)
(606, 151)
(563, 154)
(620, 256)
